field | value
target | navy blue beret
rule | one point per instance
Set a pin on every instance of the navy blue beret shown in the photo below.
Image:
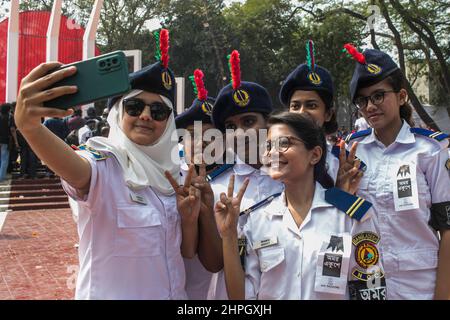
(378, 67)
(250, 97)
(153, 78)
(199, 111)
(303, 79)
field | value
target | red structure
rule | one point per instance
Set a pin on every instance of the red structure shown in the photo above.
(33, 41)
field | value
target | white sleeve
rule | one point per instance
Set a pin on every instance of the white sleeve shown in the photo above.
(252, 270)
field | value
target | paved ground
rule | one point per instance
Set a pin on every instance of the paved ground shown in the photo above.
(38, 257)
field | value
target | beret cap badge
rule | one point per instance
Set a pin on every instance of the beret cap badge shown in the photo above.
(374, 69)
(207, 108)
(313, 77)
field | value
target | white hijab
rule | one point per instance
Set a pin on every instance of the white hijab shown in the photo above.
(143, 166)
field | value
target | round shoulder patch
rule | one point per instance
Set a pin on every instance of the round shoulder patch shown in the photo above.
(97, 155)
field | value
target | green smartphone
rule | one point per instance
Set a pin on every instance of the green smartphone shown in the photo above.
(96, 78)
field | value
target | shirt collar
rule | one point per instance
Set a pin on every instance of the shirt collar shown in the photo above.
(370, 139)
(279, 207)
(243, 169)
(404, 136)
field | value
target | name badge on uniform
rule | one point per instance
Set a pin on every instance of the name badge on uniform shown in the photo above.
(406, 196)
(265, 243)
(138, 198)
(333, 264)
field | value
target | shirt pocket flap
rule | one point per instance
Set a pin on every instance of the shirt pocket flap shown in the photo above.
(270, 258)
(137, 217)
(418, 260)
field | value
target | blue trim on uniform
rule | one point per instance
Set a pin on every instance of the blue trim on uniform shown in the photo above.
(354, 207)
(439, 136)
(218, 172)
(260, 204)
(358, 134)
(336, 151)
(97, 155)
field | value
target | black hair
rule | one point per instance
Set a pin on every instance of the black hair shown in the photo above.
(312, 136)
(5, 108)
(398, 81)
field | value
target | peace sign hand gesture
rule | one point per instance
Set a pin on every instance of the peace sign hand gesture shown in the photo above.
(188, 197)
(228, 208)
(349, 174)
(207, 194)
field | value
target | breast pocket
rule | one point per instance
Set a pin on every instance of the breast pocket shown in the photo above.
(139, 232)
(363, 189)
(273, 267)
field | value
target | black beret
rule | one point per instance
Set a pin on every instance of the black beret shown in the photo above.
(153, 78)
(303, 79)
(378, 67)
(250, 97)
(199, 111)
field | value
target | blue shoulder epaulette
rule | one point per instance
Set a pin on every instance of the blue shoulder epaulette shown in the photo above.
(218, 172)
(260, 204)
(336, 151)
(353, 206)
(97, 155)
(358, 134)
(439, 136)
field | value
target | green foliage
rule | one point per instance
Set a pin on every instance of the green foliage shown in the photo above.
(269, 34)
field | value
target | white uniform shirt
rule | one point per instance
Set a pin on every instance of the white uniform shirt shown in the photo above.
(198, 278)
(361, 124)
(332, 163)
(409, 246)
(127, 250)
(261, 187)
(287, 268)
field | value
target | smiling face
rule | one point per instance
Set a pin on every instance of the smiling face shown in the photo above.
(143, 130)
(309, 102)
(296, 162)
(386, 114)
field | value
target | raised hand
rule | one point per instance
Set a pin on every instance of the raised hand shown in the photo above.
(349, 175)
(188, 197)
(228, 208)
(207, 194)
(34, 92)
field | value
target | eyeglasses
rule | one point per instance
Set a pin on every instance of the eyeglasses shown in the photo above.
(377, 98)
(281, 144)
(134, 108)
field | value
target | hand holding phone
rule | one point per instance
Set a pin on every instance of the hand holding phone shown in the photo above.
(96, 79)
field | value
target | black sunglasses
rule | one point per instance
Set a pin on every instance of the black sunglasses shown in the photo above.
(134, 108)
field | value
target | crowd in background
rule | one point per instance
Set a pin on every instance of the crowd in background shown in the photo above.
(15, 152)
